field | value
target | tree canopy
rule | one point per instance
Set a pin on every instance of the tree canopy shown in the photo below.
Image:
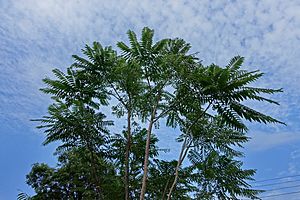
(144, 84)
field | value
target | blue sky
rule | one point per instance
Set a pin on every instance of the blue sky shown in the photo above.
(37, 36)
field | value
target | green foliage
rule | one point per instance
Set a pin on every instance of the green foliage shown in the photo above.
(138, 143)
(148, 83)
(136, 155)
(75, 126)
(161, 176)
(74, 178)
(221, 177)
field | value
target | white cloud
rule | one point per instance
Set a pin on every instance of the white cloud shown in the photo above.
(39, 35)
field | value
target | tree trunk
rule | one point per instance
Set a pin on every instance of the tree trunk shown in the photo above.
(183, 153)
(177, 169)
(165, 190)
(128, 146)
(149, 130)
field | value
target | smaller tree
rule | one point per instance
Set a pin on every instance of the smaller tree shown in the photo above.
(74, 179)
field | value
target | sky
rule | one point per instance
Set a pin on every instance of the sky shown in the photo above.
(38, 36)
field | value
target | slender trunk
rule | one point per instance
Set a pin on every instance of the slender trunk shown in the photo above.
(128, 146)
(143, 190)
(165, 190)
(184, 150)
(180, 159)
(153, 119)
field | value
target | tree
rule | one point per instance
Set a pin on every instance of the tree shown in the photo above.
(223, 90)
(149, 83)
(74, 179)
(215, 170)
(79, 126)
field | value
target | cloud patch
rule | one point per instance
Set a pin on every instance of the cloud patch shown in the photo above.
(36, 36)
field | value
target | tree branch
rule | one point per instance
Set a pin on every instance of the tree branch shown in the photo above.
(184, 150)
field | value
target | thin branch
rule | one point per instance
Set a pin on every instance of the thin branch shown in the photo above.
(118, 97)
(203, 113)
(184, 150)
(164, 112)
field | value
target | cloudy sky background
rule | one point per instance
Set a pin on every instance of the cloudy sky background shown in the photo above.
(37, 36)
